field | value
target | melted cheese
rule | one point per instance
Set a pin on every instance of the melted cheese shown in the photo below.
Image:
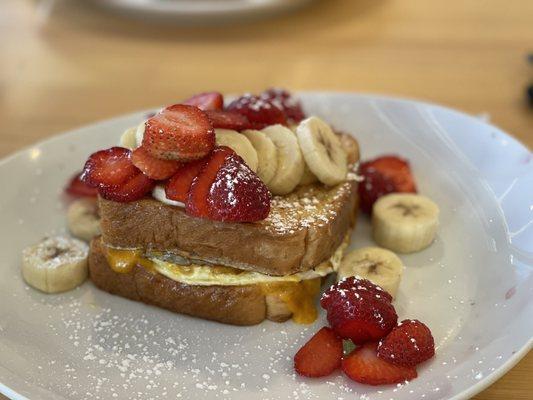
(298, 291)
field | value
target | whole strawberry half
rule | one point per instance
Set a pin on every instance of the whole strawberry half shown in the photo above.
(179, 132)
(408, 344)
(320, 356)
(359, 310)
(362, 365)
(227, 190)
(76, 187)
(258, 111)
(112, 172)
(286, 102)
(384, 175)
(206, 101)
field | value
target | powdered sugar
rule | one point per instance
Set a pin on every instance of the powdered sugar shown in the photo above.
(311, 206)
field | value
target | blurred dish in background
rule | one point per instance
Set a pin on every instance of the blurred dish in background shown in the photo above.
(198, 11)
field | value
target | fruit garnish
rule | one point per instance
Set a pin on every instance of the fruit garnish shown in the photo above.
(228, 120)
(373, 186)
(362, 365)
(133, 189)
(260, 112)
(206, 101)
(384, 175)
(179, 132)
(110, 167)
(227, 190)
(154, 168)
(359, 310)
(177, 187)
(320, 356)
(76, 187)
(286, 102)
(408, 344)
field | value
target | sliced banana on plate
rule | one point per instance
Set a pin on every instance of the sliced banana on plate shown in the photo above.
(83, 220)
(380, 266)
(128, 139)
(266, 154)
(240, 144)
(56, 264)
(404, 222)
(322, 151)
(290, 162)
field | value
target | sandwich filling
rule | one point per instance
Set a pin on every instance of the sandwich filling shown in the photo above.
(297, 291)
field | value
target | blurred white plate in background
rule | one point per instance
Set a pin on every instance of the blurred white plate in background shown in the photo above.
(194, 11)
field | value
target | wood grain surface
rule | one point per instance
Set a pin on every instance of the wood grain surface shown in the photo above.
(65, 64)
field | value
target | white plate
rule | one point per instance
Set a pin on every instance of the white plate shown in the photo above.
(473, 287)
(197, 11)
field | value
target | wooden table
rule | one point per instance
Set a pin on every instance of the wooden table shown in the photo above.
(69, 65)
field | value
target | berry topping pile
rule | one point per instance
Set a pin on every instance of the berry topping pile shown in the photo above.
(384, 175)
(177, 149)
(386, 352)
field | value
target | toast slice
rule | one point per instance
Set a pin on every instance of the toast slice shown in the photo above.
(237, 304)
(303, 229)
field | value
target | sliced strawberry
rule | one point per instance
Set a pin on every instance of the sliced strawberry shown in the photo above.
(320, 356)
(177, 187)
(408, 344)
(197, 204)
(286, 102)
(228, 120)
(227, 190)
(362, 365)
(260, 112)
(384, 175)
(76, 187)
(395, 168)
(133, 189)
(238, 194)
(357, 310)
(373, 186)
(109, 167)
(179, 132)
(206, 101)
(153, 167)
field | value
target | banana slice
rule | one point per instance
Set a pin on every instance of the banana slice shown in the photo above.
(404, 222)
(56, 264)
(266, 154)
(83, 220)
(240, 144)
(290, 162)
(158, 193)
(139, 134)
(380, 266)
(322, 151)
(308, 177)
(128, 139)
